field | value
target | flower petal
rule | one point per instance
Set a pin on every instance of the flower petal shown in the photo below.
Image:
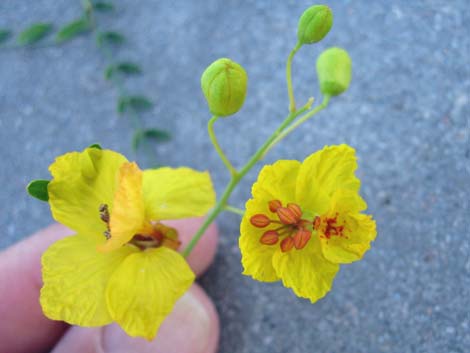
(322, 173)
(277, 182)
(75, 277)
(306, 271)
(177, 193)
(256, 257)
(82, 181)
(145, 288)
(127, 217)
(360, 229)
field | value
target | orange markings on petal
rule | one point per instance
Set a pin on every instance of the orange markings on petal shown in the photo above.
(260, 220)
(295, 209)
(270, 237)
(316, 223)
(301, 238)
(274, 205)
(287, 244)
(286, 216)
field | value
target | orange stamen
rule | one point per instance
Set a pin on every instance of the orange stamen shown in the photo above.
(301, 238)
(274, 205)
(295, 209)
(260, 220)
(270, 237)
(286, 216)
(287, 244)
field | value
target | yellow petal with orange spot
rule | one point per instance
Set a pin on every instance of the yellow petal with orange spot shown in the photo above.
(128, 215)
(359, 229)
(82, 181)
(144, 289)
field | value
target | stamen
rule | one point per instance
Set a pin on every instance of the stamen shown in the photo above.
(316, 223)
(286, 216)
(270, 237)
(301, 238)
(274, 205)
(287, 244)
(260, 220)
(295, 209)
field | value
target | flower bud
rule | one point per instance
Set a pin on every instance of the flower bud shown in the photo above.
(314, 24)
(334, 71)
(224, 86)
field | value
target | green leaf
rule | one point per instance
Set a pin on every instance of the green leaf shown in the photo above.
(103, 6)
(110, 37)
(127, 68)
(34, 33)
(138, 103)
(72, 30)
(4, 35)
(96, 145)
(150, 134)
(157, 135)
(38, 189)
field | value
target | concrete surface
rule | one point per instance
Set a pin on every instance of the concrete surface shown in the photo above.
(407, 114)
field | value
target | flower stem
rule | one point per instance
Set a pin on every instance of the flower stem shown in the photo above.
(222, 203)
(210, 128)
(290, 89)
(288, 130)
(235, 210)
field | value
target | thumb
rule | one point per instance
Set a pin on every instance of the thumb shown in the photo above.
(192, 327)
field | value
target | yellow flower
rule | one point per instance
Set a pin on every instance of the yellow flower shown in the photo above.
(304, 220)
(121, 265)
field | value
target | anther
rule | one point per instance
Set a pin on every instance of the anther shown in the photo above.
(260, 220)
(286, 216)
(104, 213)
(287, 244)
(274, 205)
(295, 209)
(301, 238)
(316, 223)
(270, 237)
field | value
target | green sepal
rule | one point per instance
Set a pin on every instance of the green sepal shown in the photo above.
(72, 30)
(34, 33)
(38, 189)
(4, 35)
(96, 145)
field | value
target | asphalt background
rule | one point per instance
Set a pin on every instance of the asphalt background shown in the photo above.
(407, 114)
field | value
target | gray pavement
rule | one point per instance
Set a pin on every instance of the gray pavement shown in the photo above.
(407, 114)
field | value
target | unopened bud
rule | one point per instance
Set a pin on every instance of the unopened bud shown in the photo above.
(334, 71)
(224, 85)
(314, 24)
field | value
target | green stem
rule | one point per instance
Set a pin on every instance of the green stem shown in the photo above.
(210, 128)
(221, 204)
(290, 88)
(318, 108)
(235, 210)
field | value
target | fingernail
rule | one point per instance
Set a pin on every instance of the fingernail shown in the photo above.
(186, 330)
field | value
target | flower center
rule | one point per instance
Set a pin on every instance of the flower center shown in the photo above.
(292, 232)
(329, 227)
(153, 235)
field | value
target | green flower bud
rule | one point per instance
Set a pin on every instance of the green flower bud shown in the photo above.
(314, 24)
(334, 71)
(224, 86)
